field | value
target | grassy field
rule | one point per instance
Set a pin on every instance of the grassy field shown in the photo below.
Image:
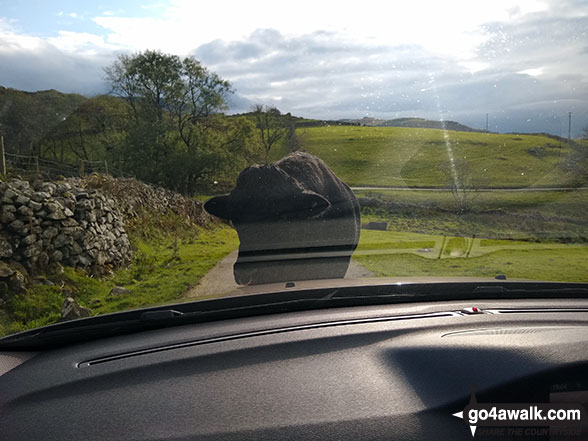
(391, 156)
(545, 215)
(449, 258)
(541, 235)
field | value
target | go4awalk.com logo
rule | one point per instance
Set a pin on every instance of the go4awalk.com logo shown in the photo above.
(511, 419)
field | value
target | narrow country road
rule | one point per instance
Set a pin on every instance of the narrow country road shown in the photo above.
(220, 280)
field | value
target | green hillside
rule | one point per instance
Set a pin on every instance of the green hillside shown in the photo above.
(67, 128)
(26, 117)
(409, 157)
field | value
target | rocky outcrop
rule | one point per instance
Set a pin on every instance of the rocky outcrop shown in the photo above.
(11, 279)
(119, 291)
(48, 223)
(71, 310)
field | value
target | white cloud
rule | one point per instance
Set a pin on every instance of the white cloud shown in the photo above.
(474, 66)
(430, 59)
(70, 62)
(134, 34)
(534, 72)
(14, 41)
(80, 43)
(449, 28)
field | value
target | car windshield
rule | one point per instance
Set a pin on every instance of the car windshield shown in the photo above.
(171, 151)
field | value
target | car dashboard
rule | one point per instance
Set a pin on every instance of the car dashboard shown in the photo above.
(371, 373)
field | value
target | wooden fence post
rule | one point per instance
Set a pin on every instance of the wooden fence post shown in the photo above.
(3, 156)
(37, 165)
(106, 167)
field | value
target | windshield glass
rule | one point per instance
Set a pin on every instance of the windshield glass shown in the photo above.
(171, 151)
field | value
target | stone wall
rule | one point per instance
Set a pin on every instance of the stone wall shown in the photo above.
(47, 223)
(136, 199)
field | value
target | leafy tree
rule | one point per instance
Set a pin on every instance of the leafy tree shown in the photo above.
(200, 95)
(178, 136)
(221, 149)
(144, 80)
(158, 85)
(271, 126)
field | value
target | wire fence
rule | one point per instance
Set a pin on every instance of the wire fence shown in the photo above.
(29, 165)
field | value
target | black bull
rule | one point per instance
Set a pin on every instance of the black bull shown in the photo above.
(295, 220)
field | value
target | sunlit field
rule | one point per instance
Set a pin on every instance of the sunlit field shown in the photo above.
(401, 157)
(532, 235)
(481, 232)
(394, 254)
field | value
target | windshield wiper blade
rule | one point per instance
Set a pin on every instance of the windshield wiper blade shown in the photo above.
(279, 302)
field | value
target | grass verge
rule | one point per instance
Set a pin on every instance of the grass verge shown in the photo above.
(164, 266)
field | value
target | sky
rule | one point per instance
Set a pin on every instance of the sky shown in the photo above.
(525, 63)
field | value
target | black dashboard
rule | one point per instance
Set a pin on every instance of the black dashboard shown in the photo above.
(357, 373)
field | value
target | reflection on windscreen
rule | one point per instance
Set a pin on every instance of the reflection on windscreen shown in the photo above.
(138, 168)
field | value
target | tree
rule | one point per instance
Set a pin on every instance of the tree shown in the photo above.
(223, 147)
(176, 135)
(462, 184)
(145, 80)
(294, 140)
(585, 133)
(154, 83)
(271, 126)
(200, 95)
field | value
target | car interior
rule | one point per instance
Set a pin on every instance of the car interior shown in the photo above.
(380, 371)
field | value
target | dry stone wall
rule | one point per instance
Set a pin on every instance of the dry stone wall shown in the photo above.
(62, 222)
(135, 198)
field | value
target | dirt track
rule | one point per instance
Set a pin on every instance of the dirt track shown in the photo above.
(220, 280)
